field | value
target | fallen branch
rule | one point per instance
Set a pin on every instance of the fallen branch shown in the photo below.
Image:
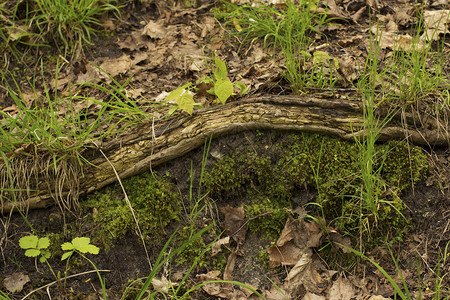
(154, 144)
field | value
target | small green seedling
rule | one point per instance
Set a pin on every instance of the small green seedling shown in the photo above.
(222, 88)
(82, 245)
(183, 98)
(35, 247)
(79, 244)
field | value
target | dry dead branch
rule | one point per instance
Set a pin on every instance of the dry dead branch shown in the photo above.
(151, 145)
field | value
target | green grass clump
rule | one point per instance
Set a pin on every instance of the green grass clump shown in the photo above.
(154, 203)
(69, 22)
(288, 31)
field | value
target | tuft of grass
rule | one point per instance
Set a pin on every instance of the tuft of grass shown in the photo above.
(53, 123)
(49, 132)
(289, 31)
(13, 32)
(69, 22)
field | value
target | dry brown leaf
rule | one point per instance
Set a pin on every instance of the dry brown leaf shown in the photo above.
(129, 43)
(217, 289)
(14, 283)
(311, 296)
(357, 15)
(435, 23)
(314, 234)
(211, 275)
(296, 240)
(333, 11)
(403, 15)
(286, 255)
(136, 92)
(155, 30)
(139, 57)
(188, 55)
(290, 231)
(275, 294)
(178, 275)
(207, 26)
(62, 82)
(347, 68)
(216, 247)
(116, 66)
(231, 262)
(352, 40)
(304, 274)
(161, 285)
(92, 75)
(234, 219)
(142, 41)
(395, 41)
(341, 289)
(287, 251)
(339, 240)
(257, 54)
(248, 293)
(12, 110)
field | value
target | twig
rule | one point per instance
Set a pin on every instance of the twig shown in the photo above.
(66, 277)
(251, 219)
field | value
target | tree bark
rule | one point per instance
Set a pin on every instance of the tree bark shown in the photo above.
(153, 144)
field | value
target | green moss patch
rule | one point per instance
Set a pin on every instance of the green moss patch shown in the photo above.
(332, 167)
(154, 201)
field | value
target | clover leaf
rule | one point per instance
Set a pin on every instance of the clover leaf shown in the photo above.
(80, 244)
(35, 246)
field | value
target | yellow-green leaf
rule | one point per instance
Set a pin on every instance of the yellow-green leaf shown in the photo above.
(175, 94)
(242, 88)
(43, 243)
(223, 90)
(32, 252)
(66, 255)
(28, 242)
(186, 103)
(320, 57)
(67, 246)
(220, 72)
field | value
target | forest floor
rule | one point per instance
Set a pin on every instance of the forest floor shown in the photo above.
(161, 47)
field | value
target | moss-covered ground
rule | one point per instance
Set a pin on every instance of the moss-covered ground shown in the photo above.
(264, 182)
(331, 167)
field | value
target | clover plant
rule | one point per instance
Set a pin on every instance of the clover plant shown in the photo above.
(35, 247)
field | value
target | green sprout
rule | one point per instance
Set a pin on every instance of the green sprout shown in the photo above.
(35, 247)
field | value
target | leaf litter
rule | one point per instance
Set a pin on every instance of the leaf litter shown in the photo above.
(167, 52)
